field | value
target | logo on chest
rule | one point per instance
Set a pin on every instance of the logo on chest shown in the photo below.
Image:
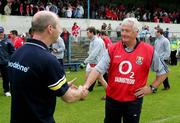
(139, 60)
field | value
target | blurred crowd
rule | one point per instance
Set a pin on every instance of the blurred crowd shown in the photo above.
(29, 7)
(78, 9)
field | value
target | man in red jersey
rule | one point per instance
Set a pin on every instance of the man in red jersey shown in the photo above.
(128, 62)
(75, 31)
(106, 39)
(17, 41)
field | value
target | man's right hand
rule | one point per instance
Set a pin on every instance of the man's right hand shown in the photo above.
(84, 92)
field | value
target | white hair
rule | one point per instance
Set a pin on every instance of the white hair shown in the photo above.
(136, 25)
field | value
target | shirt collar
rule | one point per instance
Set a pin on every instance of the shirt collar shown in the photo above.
(161, 36)
(37, 43)
(93, 38)
(129, 49)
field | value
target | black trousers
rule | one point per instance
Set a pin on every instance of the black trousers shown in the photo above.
(166, 81)
(128, 112)
(173, 57)
(5, 78)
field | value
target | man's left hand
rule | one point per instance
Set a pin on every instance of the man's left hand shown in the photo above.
(142, 91)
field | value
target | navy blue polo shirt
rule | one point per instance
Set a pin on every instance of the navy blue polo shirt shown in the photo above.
(36, 78)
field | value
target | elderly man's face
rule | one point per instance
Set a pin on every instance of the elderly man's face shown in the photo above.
(128, 34)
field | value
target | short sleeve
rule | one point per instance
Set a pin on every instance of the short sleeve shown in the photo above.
(55, 77)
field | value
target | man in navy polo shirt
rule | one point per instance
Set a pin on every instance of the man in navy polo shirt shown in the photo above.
(37, 77)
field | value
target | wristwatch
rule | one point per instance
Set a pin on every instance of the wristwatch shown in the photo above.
(153, 89)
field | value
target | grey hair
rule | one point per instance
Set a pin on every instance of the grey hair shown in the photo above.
(136, 25)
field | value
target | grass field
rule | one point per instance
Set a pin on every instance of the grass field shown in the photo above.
(162, 107)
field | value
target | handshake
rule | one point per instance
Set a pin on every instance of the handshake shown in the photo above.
(75, 93)
(83, 92)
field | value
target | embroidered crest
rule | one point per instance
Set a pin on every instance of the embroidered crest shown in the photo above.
(139, 60)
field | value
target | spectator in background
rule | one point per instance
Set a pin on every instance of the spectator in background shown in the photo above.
(29, 34)
(53, 8)
(174, 46)
(103, 27)
(16, 40)
(35, 9)
(106, 39)
(109, 30)
(75, 32)
(1, 7)
(162, 47)
(7, 9)
(95, 53)
(6, 50)
(21, 10)
(166, 33)
(145, 34)
(15, 7)
(58, 49)
(65, 35)
(31, 10)
(79, 11)
(42, 7)
(118, 31)
(107, 42)
(48, 6)
(68, 12)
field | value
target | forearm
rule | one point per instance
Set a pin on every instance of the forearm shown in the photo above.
(103, 81)
(159, 79)
(152, 88)
(91, 78)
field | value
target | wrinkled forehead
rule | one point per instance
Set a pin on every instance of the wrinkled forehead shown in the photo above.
(127, 26)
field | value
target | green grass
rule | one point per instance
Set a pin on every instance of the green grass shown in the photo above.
(162, 107)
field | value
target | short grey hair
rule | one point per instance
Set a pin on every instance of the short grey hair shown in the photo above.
(136, 25)
(42, 19)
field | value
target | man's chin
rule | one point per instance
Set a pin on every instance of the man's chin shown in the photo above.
(124, 41)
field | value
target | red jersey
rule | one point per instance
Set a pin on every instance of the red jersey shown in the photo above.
(21, 8)
(18, 42)
(75, 30)
(128, 71)
(107, 41)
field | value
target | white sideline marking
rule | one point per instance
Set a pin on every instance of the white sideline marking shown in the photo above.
(165, 119)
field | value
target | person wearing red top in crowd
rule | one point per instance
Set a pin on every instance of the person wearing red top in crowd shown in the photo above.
(128, 62)
(106, 39)
(107, 42)
(156, 19)
(17, 41)
(108, 13)
(21, 8)
(166, 19)
(65, 35)
(114, 15)
(75, 31)
(27, 10)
